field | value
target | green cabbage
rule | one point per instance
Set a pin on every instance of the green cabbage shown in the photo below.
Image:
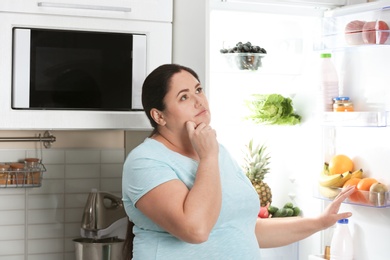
(272, 109)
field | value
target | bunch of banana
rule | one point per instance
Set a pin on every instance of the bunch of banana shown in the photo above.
(330, 184)
(334, 180)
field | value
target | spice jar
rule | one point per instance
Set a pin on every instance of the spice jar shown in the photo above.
(17, 173)
(342, 104)
(34, 172)
(4, 179)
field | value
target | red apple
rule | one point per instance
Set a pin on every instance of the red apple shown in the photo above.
(353, 32)
(375, 32)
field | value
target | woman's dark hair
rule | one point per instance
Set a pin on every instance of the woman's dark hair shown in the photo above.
(156, 86)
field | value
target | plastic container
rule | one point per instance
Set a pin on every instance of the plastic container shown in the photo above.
(329, 83)
(342, 104)
(341, 247)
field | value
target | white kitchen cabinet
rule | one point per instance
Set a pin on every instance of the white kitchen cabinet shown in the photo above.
(19, 13)
(147, 10)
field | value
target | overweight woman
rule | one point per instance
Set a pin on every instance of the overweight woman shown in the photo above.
(186, 196)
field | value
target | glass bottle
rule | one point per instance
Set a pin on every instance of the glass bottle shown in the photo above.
(34, 172)
(4, 179)
(342, 104)
(17, 173)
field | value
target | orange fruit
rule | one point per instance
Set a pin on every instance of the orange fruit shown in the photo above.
(365, 183)
(351, 182)
(340, 163)
(358, 197)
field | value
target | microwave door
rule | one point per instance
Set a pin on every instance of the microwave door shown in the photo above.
(21, 69)
(139, 70)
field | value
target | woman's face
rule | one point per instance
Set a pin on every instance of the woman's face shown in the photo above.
(185, 101)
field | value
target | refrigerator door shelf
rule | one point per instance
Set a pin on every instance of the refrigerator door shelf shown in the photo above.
(359, 197)
(361, 119)
(358, 25)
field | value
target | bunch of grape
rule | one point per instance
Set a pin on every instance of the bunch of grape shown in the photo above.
(244, 48)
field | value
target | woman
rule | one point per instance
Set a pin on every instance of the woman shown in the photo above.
(187, 197)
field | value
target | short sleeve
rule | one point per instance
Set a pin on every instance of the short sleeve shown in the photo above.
(143, 174)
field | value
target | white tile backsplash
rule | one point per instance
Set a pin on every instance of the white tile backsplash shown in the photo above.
(40, 246)
(82, 156)
(82, 171)
(11, 247)
(12, 232)
(12, 217)
(40, 223)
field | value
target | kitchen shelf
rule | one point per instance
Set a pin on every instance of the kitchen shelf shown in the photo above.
(360, 198)
(367, 118)
(24, 178)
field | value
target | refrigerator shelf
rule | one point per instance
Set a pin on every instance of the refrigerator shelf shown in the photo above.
(367, 25)
(360, 198)
(362, 119)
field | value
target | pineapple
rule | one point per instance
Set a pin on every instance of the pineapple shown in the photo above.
(255, 166)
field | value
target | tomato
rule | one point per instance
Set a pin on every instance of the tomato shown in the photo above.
(374, 32)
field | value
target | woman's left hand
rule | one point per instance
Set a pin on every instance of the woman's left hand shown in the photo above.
(331, 213)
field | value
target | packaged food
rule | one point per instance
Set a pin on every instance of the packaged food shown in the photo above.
(33, 170)
(4, 179)
(17, 173)
(342, 104)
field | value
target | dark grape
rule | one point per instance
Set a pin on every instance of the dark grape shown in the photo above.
(244, 48)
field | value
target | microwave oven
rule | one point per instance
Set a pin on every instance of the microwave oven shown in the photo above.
(55, 69)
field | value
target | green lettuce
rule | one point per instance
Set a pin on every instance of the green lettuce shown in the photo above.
(272, 109)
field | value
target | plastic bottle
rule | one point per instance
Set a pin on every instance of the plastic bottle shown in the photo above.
(329, 83)
(341, 247)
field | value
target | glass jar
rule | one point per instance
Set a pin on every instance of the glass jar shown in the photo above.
(17, 173)
(34, 171)
(4, 179)
(342, 104)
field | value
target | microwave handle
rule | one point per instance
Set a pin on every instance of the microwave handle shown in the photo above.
(91, 7)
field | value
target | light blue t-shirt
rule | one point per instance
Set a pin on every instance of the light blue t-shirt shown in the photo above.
(233, 236)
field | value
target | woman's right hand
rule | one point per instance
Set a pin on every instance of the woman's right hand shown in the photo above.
(203, 138)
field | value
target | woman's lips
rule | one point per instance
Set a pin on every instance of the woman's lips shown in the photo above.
(202, 112)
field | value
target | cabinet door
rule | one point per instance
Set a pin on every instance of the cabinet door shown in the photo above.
(148, 10)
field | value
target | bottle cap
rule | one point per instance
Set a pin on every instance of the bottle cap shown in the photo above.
(326, 55)
(341, 98)
(343, 221)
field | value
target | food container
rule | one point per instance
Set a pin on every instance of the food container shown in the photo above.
(17, 173)
(359, 197)
(245, 61)
(34, 174)
(342, 104)
(4, 180)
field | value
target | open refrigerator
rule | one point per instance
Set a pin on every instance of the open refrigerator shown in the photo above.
(295, 33)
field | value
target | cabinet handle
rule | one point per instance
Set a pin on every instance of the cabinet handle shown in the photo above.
(91, 7)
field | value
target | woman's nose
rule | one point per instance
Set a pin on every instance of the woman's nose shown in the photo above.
(198, 101)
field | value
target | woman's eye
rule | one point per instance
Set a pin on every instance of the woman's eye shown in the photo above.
(184, 97)
(199, 90)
